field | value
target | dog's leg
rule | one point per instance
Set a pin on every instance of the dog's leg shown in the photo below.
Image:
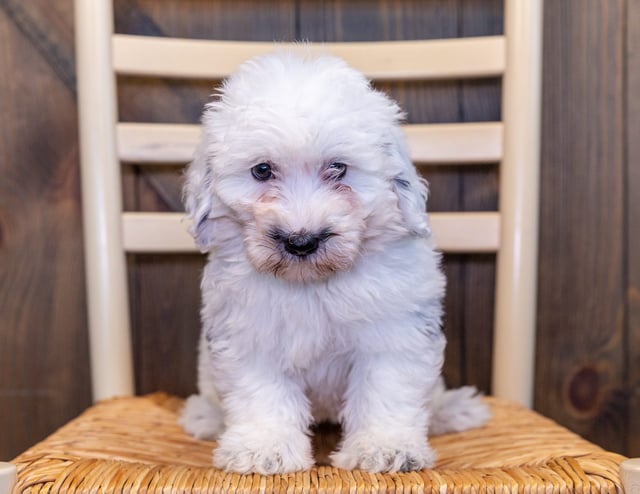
(202, 415)
(267, 417)
(385, 418)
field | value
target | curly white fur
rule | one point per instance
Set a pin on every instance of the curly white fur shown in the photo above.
(349, 329)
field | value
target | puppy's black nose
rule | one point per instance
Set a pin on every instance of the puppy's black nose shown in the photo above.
(301, 243)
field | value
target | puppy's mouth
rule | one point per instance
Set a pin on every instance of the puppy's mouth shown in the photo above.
(300, 244)
(303, 255)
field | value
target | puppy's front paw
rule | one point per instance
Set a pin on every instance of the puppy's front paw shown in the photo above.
(365, 453)
(201, 418)
(263, 452)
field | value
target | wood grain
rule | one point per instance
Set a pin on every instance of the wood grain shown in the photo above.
(632, 193)
(44, 378)
(580, 357)
(49, 32)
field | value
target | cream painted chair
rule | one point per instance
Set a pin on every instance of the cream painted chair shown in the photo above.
(111, 447)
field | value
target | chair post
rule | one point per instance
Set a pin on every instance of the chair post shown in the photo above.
(108, 307)
(8, 475)
(514, 339)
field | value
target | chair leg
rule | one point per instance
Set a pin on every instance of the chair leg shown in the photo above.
(630, 475)
(7, 477)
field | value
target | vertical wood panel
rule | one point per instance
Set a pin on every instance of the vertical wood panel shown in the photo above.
(632, 226)
(44, 376)
(580, 358)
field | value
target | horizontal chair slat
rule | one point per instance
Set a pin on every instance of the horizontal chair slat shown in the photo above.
(453, 232)
(459, 143)
(390, 60)
(477, 232)
(428, 143)
(156, 142)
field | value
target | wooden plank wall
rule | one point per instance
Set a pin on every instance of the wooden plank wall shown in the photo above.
(582, 357)
(589, 327)
(44, 376)
(631, 333)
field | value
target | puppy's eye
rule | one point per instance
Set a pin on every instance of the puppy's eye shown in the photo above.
(337, 170)
(262, 172)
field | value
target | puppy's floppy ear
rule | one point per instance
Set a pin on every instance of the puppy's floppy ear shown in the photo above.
(410, 189)
(202, 205)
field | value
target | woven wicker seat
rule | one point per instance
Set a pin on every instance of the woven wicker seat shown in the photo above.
(135, 445)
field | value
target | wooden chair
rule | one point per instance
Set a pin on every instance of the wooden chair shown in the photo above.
(133, 444)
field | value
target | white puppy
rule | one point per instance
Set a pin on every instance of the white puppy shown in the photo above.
(322, 295)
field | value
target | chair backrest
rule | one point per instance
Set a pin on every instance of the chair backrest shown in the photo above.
(510, 232)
